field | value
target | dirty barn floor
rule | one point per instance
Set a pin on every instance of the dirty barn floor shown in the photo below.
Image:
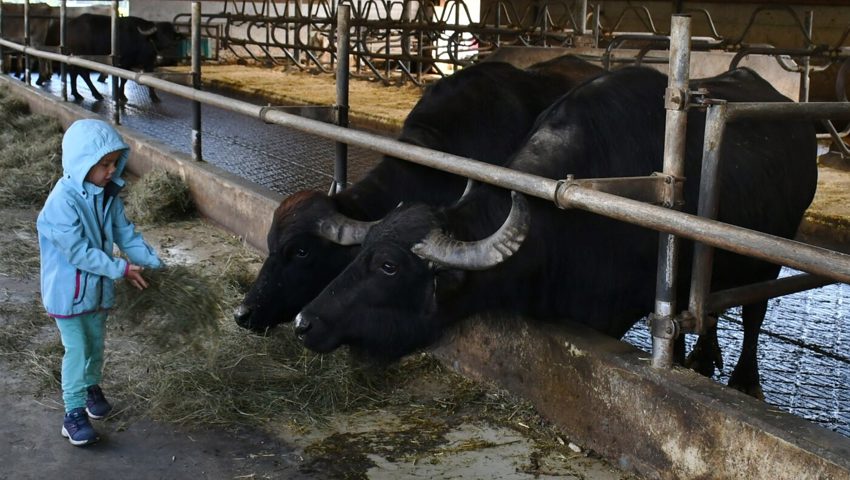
(432, 425)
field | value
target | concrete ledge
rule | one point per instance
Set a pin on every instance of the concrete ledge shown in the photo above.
(664, 424)
(238, 205)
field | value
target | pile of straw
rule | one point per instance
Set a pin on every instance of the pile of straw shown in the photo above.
(158, 197)
(19, 244)
(30, 159)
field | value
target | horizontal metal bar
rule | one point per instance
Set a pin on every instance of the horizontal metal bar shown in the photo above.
(650, 189)
(781, 251)
(733, 297)
(788, 110)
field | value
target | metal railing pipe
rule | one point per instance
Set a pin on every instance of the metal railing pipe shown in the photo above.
(26, 41)
(63, 76)
(778, 250)
(116, 52)
(788, 111)
(343, 39)
(2, 54)
(582, 17)
(707, 207)
(197, 153)
(720, 301)
(676, 102)
(805, 68)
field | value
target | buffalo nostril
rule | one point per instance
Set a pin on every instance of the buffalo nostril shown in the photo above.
(242, 315)
(302, 324)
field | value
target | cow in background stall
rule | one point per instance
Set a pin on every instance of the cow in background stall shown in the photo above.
(140, 40)
(423, 269)
(483, 112)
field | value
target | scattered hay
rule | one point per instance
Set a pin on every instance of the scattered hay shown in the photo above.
(181, 306)
(248, 379)
(23, 342)
(30, 158)
(20, 258)
(158, 197)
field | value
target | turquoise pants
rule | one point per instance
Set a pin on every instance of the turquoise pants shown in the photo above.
(82, 365)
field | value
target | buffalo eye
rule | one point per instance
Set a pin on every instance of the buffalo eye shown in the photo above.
(302, 253)
(389, 268)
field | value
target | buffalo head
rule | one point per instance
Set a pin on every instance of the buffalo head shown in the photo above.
(309, 244)
(400, 292)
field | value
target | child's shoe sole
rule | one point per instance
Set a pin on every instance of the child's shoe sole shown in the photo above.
(77, 443)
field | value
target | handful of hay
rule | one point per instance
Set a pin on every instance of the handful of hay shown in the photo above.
(158, 197)
(181, 306)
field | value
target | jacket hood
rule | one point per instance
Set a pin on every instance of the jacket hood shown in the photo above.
(84, 144)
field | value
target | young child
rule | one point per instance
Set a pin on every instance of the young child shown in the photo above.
(81, 221)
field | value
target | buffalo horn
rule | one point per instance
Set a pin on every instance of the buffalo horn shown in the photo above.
(147, 32)
(343, 230)
(481, 254)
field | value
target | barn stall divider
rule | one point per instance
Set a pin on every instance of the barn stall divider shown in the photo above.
(812, 450)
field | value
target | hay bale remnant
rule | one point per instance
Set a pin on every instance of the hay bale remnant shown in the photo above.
(158, 197)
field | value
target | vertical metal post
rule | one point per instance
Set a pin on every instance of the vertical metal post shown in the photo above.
(597, 10)
(26, 57)
(331, 41)
(664, 328)
(196, 80)
(63, 14)
(388, 5)
(805, 80)
(295, 30)
(359, 14)
(267, 47)
(2, 55)
(582, 17)
(116, 115)
(342, 74)
(715, 121)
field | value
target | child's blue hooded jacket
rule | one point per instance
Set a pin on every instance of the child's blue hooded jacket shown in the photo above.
(76, 231)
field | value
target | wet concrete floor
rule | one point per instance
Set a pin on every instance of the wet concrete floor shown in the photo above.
(805, 342)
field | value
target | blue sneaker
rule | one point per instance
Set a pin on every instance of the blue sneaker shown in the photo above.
(96, 405)
(77, 429)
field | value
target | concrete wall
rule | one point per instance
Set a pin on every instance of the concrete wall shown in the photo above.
(667, 424)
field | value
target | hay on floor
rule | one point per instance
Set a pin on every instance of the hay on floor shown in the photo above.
(30, 157)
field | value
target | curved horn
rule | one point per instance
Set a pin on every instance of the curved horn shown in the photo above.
(482, 254)
(343, 230)
(470, 184)
(147, 32)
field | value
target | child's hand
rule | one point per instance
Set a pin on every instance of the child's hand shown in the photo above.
(134, 276)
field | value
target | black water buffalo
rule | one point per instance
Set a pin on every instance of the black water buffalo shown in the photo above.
(483, 112)
(422, 269)
(140, 42)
